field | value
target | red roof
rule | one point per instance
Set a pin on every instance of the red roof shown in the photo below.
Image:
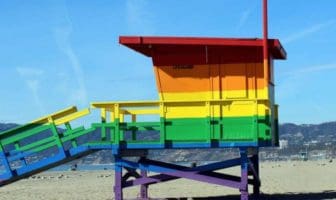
(197, 50)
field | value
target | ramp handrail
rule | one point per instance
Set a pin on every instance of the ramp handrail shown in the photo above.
(17, 144)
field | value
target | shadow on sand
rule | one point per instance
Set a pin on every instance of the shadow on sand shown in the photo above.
(326, 195)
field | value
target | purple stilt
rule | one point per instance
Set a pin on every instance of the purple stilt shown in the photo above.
(118, 194)
(144, 187)
(244, 174)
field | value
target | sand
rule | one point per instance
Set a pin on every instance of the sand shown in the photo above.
(280, 180)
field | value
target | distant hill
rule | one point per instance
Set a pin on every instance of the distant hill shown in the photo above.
(315, 135)
(325, 132)
(308, 130)
(4, 126)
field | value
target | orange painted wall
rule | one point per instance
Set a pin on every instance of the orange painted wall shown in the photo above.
(202, 78)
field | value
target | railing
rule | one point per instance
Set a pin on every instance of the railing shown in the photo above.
(118, 110)
(20, 147)
(113, 114)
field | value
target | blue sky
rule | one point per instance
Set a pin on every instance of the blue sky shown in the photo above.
(57, 53)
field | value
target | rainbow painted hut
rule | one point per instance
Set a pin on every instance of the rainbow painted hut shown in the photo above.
(213, 92)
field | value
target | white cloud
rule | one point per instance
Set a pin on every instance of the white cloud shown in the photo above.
(32, 77)
(33, 84)
(139, 18)
(243, 18)
(62, 35)
(294, 82)
(24, 71)
(309, 70)
(308, 31)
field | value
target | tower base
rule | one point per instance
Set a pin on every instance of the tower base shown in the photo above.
(248, 161)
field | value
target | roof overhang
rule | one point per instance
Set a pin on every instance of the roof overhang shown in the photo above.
(202, 49)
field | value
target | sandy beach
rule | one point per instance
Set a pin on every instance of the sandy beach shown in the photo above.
(280, 180)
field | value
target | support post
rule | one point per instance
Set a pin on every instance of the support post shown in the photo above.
(244, 174)
(118, 193)
(144, 187)
(256, 183)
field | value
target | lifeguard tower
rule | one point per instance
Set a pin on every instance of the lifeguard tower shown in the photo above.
(212, 93)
